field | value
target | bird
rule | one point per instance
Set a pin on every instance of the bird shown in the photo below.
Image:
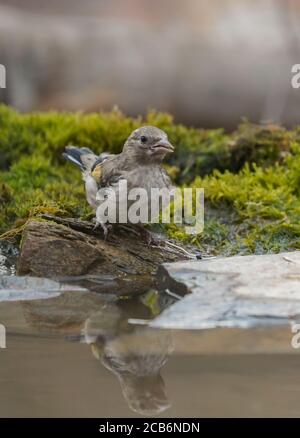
(139, 165)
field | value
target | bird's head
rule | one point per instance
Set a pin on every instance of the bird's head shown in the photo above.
(148, 144)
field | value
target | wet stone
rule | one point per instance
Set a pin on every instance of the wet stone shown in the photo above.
(240, 291)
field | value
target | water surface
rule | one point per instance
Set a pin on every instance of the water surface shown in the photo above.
(76, 355)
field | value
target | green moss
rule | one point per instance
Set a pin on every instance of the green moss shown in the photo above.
(255, 211)
(251, 177)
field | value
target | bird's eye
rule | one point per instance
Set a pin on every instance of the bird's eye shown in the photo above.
(144, 139)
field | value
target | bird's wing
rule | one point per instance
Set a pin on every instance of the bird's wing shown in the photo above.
(99, 168)
(106, 172)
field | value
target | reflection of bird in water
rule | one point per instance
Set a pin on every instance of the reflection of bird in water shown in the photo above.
(135, 354)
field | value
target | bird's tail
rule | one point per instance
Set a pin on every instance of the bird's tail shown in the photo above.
(82, 157)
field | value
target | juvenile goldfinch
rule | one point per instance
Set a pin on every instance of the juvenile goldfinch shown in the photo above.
(139, 163)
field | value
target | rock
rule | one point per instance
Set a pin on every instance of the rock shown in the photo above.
(123, 264)
(51, 250)
(241, 291)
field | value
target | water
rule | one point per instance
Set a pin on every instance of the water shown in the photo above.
(82, 354)
(76, 355)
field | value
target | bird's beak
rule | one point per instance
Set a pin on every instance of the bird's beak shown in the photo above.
(163, 146)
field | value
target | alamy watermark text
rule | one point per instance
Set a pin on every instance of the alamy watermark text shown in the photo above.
(2, 76)
(2, 336)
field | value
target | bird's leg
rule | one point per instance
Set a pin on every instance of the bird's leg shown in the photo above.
(105, 227)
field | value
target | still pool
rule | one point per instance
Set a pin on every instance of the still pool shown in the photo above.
(78, 356)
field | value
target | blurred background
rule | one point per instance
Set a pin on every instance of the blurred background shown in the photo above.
(208, 62)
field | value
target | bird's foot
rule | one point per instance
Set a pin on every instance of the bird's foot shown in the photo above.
(105, 228)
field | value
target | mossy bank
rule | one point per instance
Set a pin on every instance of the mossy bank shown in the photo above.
(251, 177)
